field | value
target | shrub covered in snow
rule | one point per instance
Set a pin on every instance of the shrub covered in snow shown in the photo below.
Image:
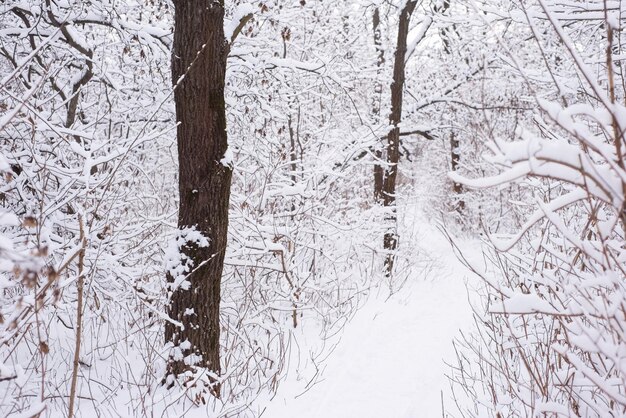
(550, 335)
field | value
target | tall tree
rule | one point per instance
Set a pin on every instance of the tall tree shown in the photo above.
(198, 68)
(455, 154)
(388, 192)
(378, 89)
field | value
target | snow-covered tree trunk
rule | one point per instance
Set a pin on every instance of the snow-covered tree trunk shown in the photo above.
(378, 89)
(199, 67)
(393, 138)
(455, 153)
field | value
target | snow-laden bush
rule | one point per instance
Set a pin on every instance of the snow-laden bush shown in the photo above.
(91, 177)
(550, 335)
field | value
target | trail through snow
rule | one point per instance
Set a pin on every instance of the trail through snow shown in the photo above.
(390, 359)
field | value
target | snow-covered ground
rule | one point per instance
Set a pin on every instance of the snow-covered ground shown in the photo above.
(390, 359)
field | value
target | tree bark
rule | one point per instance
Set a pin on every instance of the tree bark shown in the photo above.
(378, 89)
(455, 156)
(199, 55)
(393, 138)
(455, 161)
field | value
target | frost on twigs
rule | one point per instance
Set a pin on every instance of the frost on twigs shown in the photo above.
(27, 287)
(178, 264)
(241, 15)
(550, 338)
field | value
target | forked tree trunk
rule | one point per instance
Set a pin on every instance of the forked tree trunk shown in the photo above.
(393, 138)
(199, 54)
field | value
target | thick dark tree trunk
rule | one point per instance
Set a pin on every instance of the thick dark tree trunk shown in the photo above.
(199, 55)
(393, 138)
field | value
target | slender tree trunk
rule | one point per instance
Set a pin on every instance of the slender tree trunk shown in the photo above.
(199, 54)
(80, 284)
(393, 138)
(455, 155)
(378, 90)
(455, 159)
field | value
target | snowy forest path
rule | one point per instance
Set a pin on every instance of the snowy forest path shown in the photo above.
(390, 361)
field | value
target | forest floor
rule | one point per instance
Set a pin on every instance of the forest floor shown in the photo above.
(390, 360)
